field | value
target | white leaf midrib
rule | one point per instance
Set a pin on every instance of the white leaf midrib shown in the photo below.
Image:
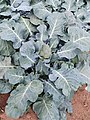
(51, 86)
(62, 78)
(53, 28)
(65, 51)
(14, 33)
(47, 109)
(14, 75)
(27, 87)
(13, 2)
(80, 39)
(29, 58)
(59, 75)
(26, 25)
(69, 5)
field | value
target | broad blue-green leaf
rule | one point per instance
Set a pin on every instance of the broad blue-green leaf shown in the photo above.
(2, 5)
(80, 3)
(81, 13)
(27, 24)
(42, 35)
(52, 90)
(41, 68)
(13, 111)
(6, 48)
(15, 58)
(67, 79)
(85, 72)
(5, 64)
(69, 5)
(46, 109)
(4, 11)
(53, 3)
(70, 18)
(27, 52)
(15, 32)
(20, 96)
(55, 21)
(20, 5)
(14, 75)
(5, 87)
(40, 11)
(68, 50)
(54, 41)
(80, 38)
(35, 20)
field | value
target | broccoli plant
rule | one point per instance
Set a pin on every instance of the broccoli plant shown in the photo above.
(44, 55)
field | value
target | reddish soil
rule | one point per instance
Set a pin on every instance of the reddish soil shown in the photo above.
(81, 105)
(80, 102)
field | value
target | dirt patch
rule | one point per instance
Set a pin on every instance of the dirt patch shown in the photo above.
(81, 105)
(3, 99)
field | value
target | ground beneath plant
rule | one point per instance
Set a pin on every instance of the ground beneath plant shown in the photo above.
(80, 102)
(81, 105)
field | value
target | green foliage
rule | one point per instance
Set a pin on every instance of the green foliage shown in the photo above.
(44, 55)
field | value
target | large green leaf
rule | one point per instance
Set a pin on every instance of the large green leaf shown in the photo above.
(69, 5)
(6, 48)
(27, 24)
(53, 3)
(14, 75)
(80, 38)
(5, 64)
(14, 32)
(42, 35)
(27, 52)
(46, 109)
(5, 87)
(67, 79)
(35, 20)
(68, 50)
(19, 98)
(20, 5)
(40, 11)
(85, 71)
(55, 21)
(52, 90)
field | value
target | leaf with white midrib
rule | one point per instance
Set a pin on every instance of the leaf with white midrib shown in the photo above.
(13, 2)
(62, 77)
(47, 109)
(14, 33)
(24, 93)
(30, 59)
(53, 28)
(26, 25)
(51, 86)
(65, 51)
(69, 5)
(80, 39)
